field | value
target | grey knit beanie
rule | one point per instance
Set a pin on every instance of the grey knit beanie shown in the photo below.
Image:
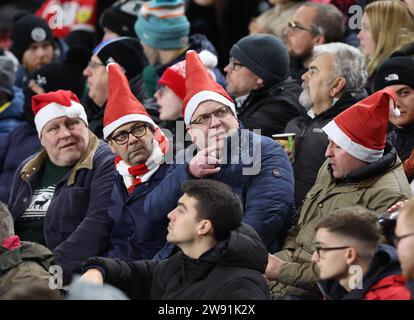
(265, 55)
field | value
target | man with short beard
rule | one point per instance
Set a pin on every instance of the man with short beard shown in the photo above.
(313, 24)
(333, 83)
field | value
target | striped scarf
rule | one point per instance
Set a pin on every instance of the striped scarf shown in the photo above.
(135, 175)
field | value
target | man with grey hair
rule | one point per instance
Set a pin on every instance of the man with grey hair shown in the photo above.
(334, 81)
(312, 24)
(21, 263)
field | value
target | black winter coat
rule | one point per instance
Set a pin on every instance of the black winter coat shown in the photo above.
(311, 143)
(270, 108)
(403, 140)
(230, 270)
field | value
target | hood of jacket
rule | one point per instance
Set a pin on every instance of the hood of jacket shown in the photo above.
(288, 89)
(243, 249)
(403, 140)
(385, 263)
(373, 169)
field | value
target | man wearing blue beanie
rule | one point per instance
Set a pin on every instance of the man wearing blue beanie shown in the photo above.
(258, 76)
(164, 32)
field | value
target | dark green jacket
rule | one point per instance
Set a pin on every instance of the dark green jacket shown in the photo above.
(377, 187)
(25, 265)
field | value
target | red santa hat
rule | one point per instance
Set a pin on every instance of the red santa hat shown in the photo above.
(56, 104)
(174, 76)
(200, 87)
(122, 106)
(361, 129)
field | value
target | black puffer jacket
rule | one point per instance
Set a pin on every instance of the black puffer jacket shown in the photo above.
(270, 108)
(403, 140)
(311, 143)
(230, 270)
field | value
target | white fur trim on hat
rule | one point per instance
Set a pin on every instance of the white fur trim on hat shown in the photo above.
(54, 110)
(202, 96)
(353, 148)
(108, 129)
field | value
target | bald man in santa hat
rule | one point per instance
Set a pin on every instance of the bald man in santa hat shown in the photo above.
(59, 196)
(361, 169)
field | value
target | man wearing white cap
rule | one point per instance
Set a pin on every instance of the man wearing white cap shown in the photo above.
(265, 184)
(60, 195)
(140, 146)
(361, 169)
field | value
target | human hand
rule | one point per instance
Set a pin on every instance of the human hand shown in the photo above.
(273, 267)
(397, 206)
(93, 275)
(205, 163)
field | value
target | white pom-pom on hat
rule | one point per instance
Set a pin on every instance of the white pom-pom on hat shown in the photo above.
(74, 111)
(208, 59)
(394, 109)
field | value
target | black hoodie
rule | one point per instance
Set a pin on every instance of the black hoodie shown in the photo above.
(230, 270)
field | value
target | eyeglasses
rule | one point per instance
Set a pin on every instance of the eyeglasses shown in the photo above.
(161, 90)
(295, 26)
(396, 239)
(93, 64)
(319, 249)
(123, 137)
(233, 64)
(205, 119)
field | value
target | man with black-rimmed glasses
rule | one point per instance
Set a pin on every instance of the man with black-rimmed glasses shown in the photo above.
(140, 147)
(352, 264)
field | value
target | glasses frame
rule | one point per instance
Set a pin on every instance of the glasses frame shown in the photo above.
(210, 116)
(93, 64)
(396, 239)
(130, 132)
(293, 25)
(233, 64)
(318, 249)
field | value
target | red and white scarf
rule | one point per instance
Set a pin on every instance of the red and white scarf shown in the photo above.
(135, 175)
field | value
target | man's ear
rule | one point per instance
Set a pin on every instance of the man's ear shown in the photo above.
(110, 143)
(338, 86)
(319, 39)
(189, 130)
(205, 227)
(351, 255)
(259, 83)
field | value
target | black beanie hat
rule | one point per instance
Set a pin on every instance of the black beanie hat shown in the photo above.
(264, 55)
(396, 70)
(28, 29)
(66, 75)
(126, 51)
(121, 17)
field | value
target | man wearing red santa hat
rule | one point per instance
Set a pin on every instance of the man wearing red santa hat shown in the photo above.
(59, 196)
(140, 146)
(361, 169)
(256, 167)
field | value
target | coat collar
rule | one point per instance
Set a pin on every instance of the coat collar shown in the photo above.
(85, 162)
